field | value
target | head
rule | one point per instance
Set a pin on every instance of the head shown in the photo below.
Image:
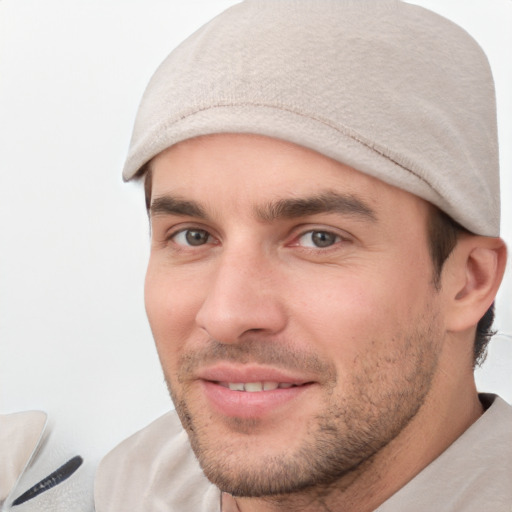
(321, 256)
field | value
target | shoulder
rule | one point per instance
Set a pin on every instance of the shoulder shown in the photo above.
(154, 469)
(473, 474)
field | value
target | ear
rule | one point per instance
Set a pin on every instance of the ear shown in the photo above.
(475, 270)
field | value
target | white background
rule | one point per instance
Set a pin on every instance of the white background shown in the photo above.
(73, 238)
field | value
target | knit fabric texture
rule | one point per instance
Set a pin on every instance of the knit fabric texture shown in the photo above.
(388, 88)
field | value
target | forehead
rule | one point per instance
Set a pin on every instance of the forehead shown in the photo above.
(242, 169)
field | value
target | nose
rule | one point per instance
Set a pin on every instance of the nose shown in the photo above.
(242, 297)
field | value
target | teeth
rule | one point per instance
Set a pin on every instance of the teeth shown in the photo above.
(255, 387)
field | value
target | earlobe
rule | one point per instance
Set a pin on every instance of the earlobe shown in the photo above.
(477, 268)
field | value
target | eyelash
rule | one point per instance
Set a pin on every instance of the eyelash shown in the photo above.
(185, 231)
(336, 239)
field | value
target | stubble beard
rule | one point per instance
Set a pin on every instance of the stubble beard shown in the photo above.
(352, 428)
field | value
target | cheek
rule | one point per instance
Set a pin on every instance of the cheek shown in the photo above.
(171, 307)
(350, 313)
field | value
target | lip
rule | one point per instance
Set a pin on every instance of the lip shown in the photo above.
(225, 372)
(242, 404)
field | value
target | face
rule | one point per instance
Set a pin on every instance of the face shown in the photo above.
(292, 305)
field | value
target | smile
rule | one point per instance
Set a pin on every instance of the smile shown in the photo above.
(256, 387)
(253, 398)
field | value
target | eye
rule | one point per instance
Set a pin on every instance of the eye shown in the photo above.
(192, 237)
(318, 239)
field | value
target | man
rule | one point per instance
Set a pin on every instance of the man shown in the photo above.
(321, 179)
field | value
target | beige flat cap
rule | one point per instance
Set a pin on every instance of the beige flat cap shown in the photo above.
(391, 89)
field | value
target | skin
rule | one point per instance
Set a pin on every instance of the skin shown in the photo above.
(252, 278)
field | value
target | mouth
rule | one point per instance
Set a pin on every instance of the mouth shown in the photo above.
(257, 387)
(254, 398)
(253, 390)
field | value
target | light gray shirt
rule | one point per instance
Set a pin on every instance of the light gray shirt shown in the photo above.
(156, 471)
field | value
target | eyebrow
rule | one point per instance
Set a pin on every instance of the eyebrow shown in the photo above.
(168, 205)
(290, 208)
(327, 202)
